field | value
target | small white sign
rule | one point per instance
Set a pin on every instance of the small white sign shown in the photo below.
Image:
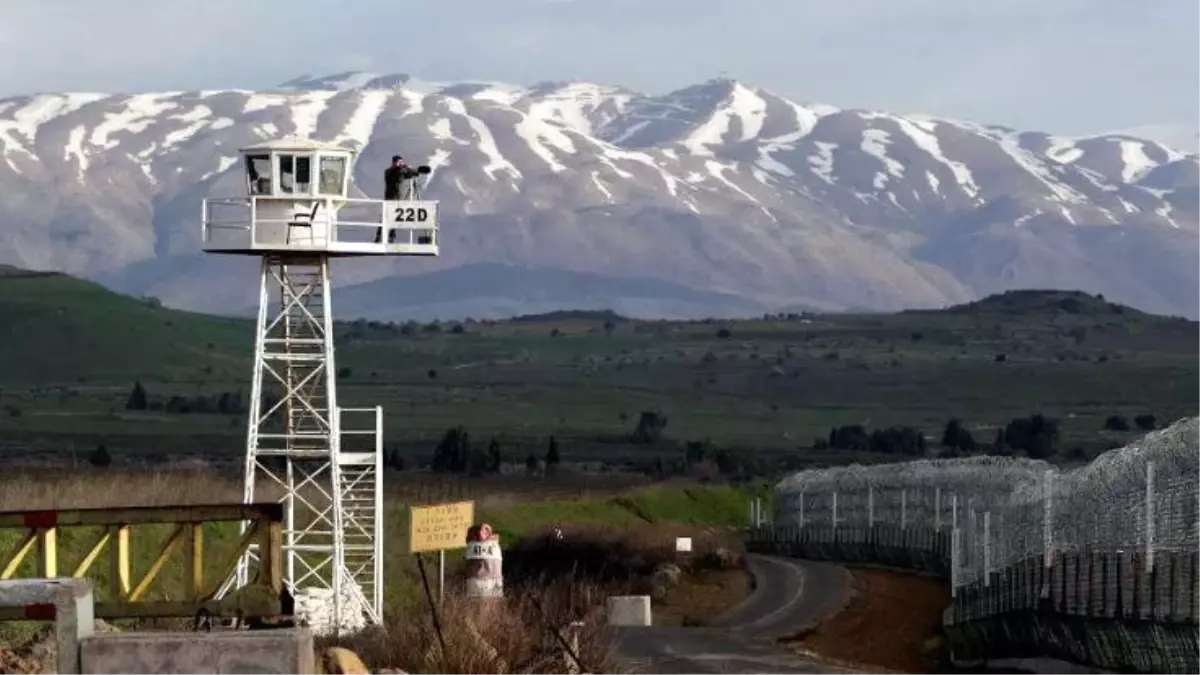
(683, 544)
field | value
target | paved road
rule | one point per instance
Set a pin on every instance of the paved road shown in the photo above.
(788, 596)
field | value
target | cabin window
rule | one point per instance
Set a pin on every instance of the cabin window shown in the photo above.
(295, 174)
(258, 174)
(333, 175)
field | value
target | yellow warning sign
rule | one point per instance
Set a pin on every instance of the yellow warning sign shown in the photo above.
(440, 527)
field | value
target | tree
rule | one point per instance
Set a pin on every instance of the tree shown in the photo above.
(393, 458)
(453, 452)
(477, 462)
(1116, 423)
(178, 404)
(649, 427)
(137, 397)
(849, 437)
(609, 327)
(898, 440)
(957, 437)
(552, 456)
(724, 333)
(100, 457)
(531, 463)
(495, 459)
(1145, 422)
(1036, 435)
(726, 462)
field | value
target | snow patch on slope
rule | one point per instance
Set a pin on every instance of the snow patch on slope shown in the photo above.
(307, 111)
(570, 104)
(223, 164)
(744, 105)
(822, 162)
(1063, 150)
(486, 143)
(140, 112)
(74, 148)
(924, 135)
(362, 122)
(533, 130)
(1136, 162)
(875, 142)
(25, 121)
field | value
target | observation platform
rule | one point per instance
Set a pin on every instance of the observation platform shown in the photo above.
(297, 201)
(262, 225)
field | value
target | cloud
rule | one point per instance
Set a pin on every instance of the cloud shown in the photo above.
(1073, 66)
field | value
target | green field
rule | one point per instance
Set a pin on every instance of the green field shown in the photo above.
(70, 352)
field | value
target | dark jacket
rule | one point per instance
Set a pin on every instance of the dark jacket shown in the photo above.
(393, 177)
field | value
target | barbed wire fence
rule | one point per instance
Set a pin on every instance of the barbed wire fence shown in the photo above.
(1115, 538)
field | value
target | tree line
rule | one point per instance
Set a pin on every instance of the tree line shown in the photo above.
(1036, 436)
(224, 403)
(455, 453)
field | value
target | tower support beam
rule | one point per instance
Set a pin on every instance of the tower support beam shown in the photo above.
(293, 444)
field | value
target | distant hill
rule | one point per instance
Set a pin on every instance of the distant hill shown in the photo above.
(498, 291)
(55, 328)
(1034, 302)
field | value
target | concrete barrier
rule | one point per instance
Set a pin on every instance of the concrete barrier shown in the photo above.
(67, 602)
(288, 650)
(629, 610)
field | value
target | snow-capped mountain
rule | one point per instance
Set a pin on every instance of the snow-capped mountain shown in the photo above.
(721, 187)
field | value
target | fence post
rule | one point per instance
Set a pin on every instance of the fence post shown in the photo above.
(833, 511)
(987, 548)
(903, 508)
(1047, 518)
(955, 541)
(937, 509)
(871, 506)
(1149, 517)
(955, 535)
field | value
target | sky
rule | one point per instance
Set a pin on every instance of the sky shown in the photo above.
(1073, 67)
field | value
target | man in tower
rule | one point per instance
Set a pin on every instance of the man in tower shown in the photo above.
(394, 176)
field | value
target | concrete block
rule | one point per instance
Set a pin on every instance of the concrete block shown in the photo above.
(629, 610)
(67, 601)
(288, 650)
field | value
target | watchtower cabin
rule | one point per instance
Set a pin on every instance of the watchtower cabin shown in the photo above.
(297, 200)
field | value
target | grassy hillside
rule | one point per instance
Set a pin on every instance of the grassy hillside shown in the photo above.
(70, 352)
(55, 329)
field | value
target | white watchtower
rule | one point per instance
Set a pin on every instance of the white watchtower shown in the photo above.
(296, 216)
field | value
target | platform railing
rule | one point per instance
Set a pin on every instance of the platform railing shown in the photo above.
(351, 224)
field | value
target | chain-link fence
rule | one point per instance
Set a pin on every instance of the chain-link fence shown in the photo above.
(993, 515)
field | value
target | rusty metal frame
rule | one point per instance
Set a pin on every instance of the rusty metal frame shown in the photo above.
(126, 595)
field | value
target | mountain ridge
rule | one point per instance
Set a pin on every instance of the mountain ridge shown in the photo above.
(719, 186)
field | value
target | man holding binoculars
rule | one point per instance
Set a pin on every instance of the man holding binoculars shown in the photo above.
(397, 179)
(399, 184)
